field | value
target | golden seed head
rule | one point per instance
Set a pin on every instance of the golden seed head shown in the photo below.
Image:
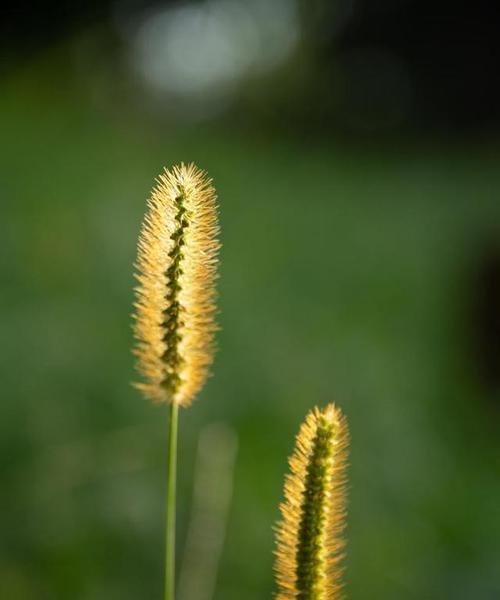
(175, 299)
(309, 538)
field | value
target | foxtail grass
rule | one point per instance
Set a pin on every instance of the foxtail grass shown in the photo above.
(176, 269)
(309, 538)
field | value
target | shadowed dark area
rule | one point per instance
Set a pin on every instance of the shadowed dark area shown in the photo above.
(486, 316)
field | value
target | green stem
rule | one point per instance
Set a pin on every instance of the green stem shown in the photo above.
(170, 506)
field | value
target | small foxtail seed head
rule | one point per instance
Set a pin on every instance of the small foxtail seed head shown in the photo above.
(175, 299)
(309, 538)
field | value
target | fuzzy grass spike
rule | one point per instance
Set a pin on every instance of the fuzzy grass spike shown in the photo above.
(309, 537)
(175, 299)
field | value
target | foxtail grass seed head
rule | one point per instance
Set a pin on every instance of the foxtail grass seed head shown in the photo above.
(175, 299)
(309, 538)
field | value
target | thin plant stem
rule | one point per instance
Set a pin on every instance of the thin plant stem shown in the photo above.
(170, 505)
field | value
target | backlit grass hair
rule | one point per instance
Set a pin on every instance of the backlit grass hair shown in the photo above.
(309, 537)
(175, 299)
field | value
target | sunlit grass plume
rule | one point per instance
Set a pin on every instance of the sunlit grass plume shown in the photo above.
(309, 537)
(174, 309)
(176, 270)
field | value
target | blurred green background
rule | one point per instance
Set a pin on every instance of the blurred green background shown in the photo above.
(360, 264)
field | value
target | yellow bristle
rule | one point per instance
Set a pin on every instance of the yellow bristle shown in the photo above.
(175, 299)
(309, 537)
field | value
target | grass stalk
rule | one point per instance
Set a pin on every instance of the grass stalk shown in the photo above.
(171, 503)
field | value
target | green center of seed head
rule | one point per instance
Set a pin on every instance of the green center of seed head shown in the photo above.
(171, 315)
(311, 542)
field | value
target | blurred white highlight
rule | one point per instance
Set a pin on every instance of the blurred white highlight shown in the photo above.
(207, 48)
